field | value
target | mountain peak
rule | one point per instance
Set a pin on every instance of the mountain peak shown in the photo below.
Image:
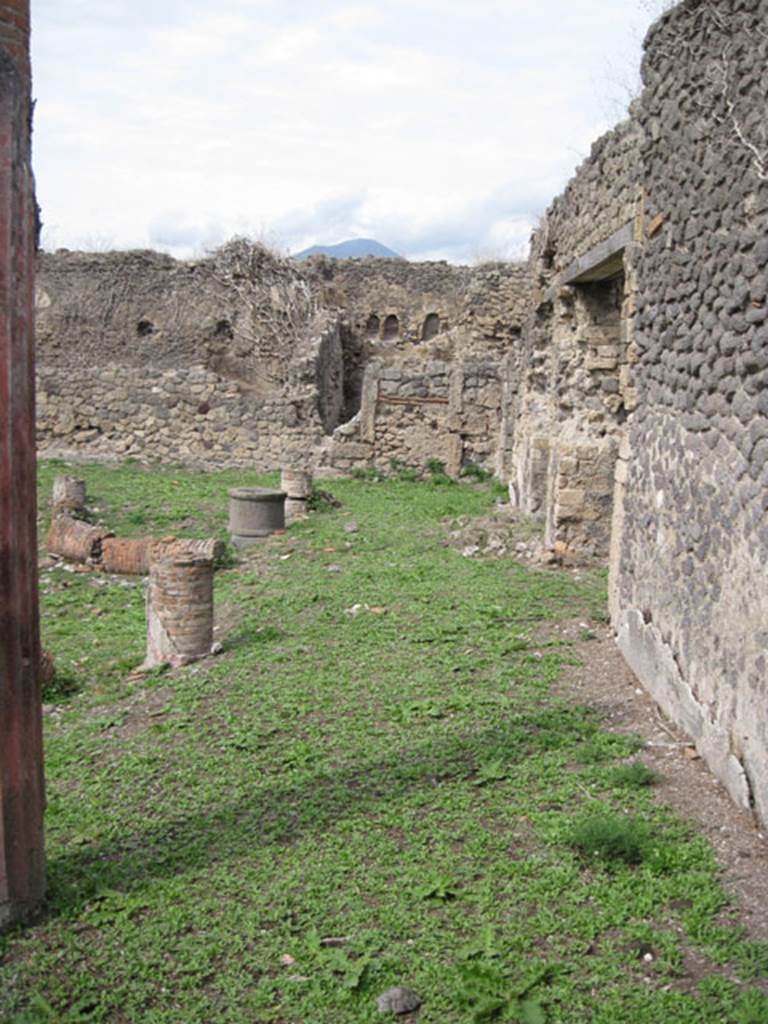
(351, 249)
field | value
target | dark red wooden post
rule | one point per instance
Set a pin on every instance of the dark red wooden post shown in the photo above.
(22, 862)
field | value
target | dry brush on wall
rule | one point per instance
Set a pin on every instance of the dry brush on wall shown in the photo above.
(227, 360)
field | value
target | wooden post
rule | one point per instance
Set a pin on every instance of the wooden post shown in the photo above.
(22, 862)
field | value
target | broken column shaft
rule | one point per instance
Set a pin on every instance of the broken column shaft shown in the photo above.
(297, 484)
(68, 495)
(179, 610)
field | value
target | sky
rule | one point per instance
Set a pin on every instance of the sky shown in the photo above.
(441, 129)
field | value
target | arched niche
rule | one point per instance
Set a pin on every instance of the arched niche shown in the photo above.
(373, 326)
(431, 326)
(391, 328)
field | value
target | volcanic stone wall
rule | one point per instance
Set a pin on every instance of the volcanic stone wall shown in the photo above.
(691, 545)
(601, 198)
(636, 417)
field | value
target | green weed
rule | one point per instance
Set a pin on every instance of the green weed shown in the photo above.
(611, 838)
(342, 803)
(437, 473)
(473, 471)
(634, 774)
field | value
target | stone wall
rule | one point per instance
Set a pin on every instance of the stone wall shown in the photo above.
(434, 389)
(443, 409)
(245, 359)
(571, 390)
(600, 199)
(635, 417)
(242, 312)
(224, 361)
(691, 545)
(191, 416)
(396, 305)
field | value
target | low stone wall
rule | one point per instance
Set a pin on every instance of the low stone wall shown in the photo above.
(186, 416)
(444, 410)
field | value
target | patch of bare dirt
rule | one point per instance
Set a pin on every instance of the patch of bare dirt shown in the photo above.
(504, 533)
(605, 682)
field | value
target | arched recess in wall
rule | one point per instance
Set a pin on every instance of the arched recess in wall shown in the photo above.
(373, 326)
(431, 327)
(391, 328)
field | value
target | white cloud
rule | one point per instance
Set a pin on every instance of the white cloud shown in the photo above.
(436, 127)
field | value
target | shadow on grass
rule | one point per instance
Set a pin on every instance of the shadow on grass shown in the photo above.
(62, 687)
(284, 810)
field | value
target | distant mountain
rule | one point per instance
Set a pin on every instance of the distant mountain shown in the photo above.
(349, 250)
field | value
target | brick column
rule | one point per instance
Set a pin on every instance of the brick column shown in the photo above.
(22, 866)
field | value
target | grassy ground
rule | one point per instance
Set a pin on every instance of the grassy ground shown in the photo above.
(372, 785)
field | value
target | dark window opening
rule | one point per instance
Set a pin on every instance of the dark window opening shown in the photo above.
(431, 327)
(391, 327)
(372, 327)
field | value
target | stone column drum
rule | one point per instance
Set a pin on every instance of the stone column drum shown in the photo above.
(68, 494)
(255, 512)
(179, 611)
(297, 484)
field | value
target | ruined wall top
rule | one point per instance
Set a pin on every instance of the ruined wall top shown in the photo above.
(243, 307)
(600, 199)
(241, 311)
(487, 303)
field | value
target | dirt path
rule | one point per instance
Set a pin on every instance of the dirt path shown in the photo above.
(605, 682)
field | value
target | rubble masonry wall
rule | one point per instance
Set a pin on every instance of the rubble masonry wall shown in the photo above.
(691, 551)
